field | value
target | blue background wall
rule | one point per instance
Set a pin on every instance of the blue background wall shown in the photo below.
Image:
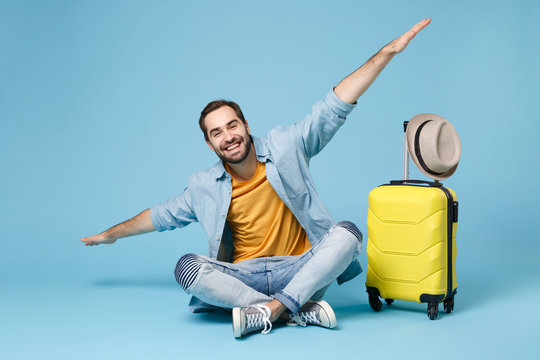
(99, 102)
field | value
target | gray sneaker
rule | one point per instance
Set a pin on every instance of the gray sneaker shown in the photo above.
(249, 319)
(315, 313)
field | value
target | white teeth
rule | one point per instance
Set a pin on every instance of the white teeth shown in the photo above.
(232, 147)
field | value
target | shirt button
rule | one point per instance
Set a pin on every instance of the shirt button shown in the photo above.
(222, 215)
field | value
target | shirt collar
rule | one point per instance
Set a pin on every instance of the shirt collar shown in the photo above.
(261, 149)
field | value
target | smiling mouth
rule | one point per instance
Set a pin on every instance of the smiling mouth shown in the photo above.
(232, 146)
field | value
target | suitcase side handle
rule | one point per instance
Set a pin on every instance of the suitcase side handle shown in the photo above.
(403, 182)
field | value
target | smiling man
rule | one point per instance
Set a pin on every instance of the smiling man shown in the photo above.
(228, 133)
(273, 247)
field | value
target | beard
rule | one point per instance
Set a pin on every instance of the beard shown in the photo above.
(245, 141)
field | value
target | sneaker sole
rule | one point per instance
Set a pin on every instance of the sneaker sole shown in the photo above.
(236, 322)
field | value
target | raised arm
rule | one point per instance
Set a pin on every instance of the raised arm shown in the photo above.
(139, 224)
(354, 85)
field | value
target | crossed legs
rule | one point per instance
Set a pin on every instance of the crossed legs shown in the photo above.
(281, 283)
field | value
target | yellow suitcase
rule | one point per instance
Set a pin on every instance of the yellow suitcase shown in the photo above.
(411, 247)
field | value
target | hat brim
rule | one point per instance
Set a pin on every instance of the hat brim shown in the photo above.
(412, 128)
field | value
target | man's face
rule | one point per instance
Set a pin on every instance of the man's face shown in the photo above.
(228, 136)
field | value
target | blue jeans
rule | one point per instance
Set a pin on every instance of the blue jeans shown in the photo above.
(292, 280)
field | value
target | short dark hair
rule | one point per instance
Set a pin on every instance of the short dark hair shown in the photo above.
(214, 105)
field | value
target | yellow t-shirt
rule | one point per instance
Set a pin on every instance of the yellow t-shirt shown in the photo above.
(261, 224)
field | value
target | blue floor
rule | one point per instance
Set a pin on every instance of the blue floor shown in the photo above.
(140, 316)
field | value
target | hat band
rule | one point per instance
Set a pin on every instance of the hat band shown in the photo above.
(417, 150)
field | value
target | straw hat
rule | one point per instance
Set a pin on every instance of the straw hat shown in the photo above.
(434, 145)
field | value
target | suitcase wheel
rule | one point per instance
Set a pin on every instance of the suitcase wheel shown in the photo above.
(375, 303)
(449, 304)
(389, 301)
(433, 310)
(374, 300)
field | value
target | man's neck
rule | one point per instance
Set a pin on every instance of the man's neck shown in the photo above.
(246, 169)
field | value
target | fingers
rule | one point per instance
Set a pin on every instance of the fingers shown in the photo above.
(409, 35)
(89, 242)
(98, 240)
(422, 24)
(399, 44)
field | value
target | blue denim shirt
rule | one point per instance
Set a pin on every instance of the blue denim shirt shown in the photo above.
(286, 152)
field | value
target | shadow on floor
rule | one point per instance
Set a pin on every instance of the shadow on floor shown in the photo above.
(130, 282)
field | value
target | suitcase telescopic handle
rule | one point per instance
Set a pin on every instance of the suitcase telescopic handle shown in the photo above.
(405, 152)
(435, 183)
(402, 182)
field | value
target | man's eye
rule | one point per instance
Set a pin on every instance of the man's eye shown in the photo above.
(216, 134)
(233, 126)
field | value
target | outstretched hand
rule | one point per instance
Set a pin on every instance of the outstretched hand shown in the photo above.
(399, 44)
(97, 239)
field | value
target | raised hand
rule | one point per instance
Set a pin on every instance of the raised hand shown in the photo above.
(399, 44)
(354, 85)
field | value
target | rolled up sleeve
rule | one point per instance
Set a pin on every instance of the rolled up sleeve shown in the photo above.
(326, 117)
(174, 213)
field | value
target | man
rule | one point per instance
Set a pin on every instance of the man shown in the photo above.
(274, 249)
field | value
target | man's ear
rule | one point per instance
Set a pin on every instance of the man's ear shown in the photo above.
(247, 128)
(210, 145)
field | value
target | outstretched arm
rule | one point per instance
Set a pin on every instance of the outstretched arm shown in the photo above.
(354, 85)
(139, 224)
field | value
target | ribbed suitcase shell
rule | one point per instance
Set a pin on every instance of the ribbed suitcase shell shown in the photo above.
(407, 247)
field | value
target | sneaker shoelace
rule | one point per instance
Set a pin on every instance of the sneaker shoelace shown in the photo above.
(260, 319)
(304, 318)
